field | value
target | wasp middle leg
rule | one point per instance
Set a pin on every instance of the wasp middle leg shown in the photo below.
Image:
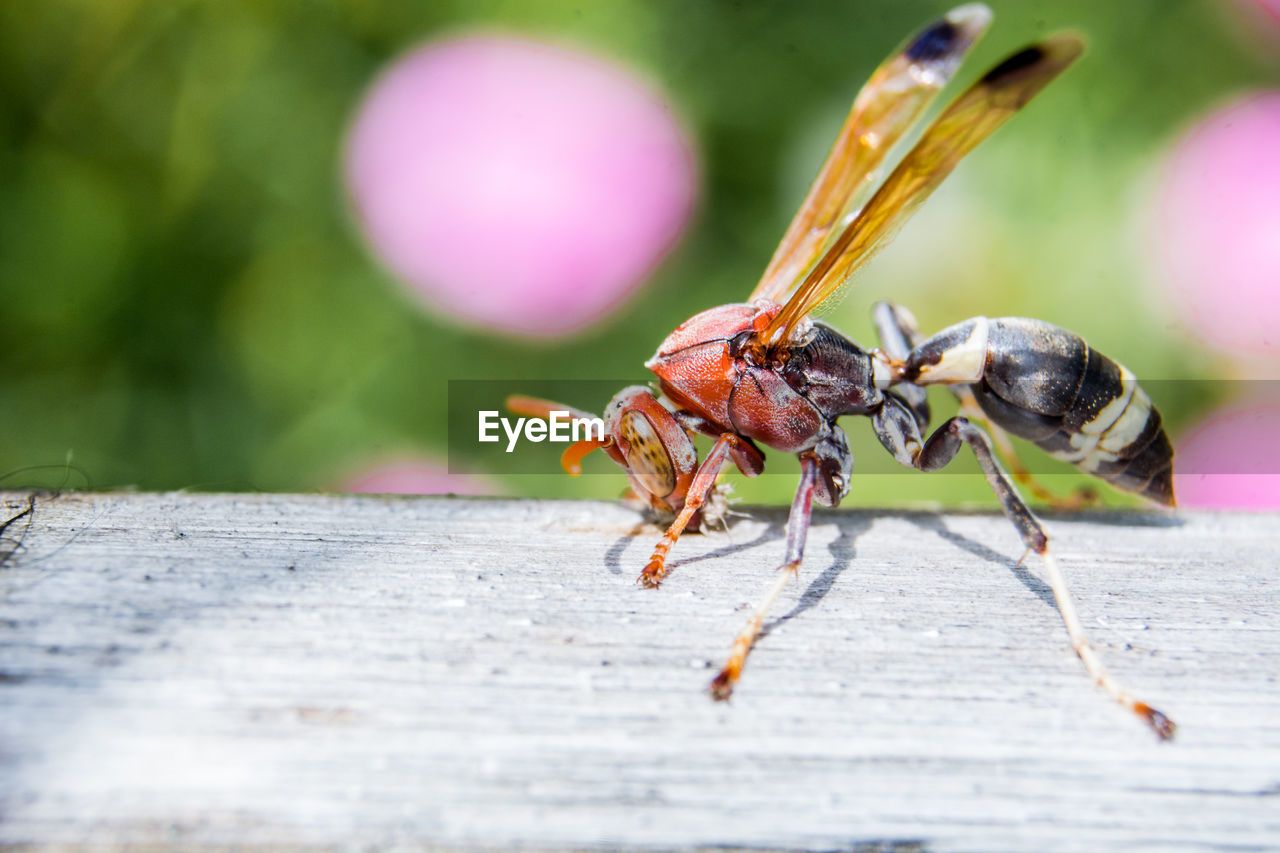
(797, 531)
(898, 333)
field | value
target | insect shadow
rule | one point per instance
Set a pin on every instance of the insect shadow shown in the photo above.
(843, 549)
(1124, 518)
(935, 524)
(613, 557)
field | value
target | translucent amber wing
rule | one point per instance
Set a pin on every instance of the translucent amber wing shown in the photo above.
(897, 94)
(971, 118)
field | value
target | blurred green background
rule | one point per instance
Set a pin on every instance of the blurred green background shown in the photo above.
(189, 304)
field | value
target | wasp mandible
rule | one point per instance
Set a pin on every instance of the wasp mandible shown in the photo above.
(764, 372)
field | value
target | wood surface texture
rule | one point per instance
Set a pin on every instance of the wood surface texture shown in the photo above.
(204, 670)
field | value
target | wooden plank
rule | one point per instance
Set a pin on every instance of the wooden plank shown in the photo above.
(274, 669)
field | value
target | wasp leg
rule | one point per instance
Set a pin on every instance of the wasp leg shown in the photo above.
(702, 484)
(1082, 496)
(797, 532)
(745, 453)
(895, 427)
(896, 328)
(899, 335)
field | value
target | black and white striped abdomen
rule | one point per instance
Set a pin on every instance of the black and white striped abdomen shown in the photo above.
(1047, 385)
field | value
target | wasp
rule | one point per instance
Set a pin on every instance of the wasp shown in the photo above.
(765, 373)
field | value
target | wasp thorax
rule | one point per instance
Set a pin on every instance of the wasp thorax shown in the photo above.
(647, 455)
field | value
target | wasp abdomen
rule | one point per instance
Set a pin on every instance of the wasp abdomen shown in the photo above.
(1047, 385)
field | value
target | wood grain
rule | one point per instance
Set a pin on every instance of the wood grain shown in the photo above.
(196, 670)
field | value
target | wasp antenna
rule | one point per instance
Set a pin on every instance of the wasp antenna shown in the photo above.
(535, 407)
(571, 459)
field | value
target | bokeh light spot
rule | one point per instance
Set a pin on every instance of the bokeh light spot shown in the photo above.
(415, 477)
(518, 185)
(1230, 460)
(1270, 8)
(1215, 239)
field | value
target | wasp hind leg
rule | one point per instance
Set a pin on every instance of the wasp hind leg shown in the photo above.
(1082, 496)
(797, 531)
(895, 426)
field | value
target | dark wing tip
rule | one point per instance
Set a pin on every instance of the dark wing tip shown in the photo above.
(934, 43)
(1020, 60)
(1053, 54)
(946, 39)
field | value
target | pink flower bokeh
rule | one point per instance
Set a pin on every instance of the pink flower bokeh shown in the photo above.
(415, 477)
(517, 185)
(1231, 459)
(1270, 8)
(1215, 228)
(1214, 249)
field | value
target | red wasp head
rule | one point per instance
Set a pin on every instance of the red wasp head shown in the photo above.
(714, 366)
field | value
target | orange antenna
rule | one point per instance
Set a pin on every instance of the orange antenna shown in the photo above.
(571, 459)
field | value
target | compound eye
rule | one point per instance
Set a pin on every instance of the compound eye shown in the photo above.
(647, 456)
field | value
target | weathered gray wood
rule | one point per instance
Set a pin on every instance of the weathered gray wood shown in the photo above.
(252, 669)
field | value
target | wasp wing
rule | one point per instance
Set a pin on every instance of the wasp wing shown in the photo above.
(971, 118)
(897, 94)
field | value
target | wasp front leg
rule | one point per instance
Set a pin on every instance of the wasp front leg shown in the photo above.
(750, 462)
(896, 428)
